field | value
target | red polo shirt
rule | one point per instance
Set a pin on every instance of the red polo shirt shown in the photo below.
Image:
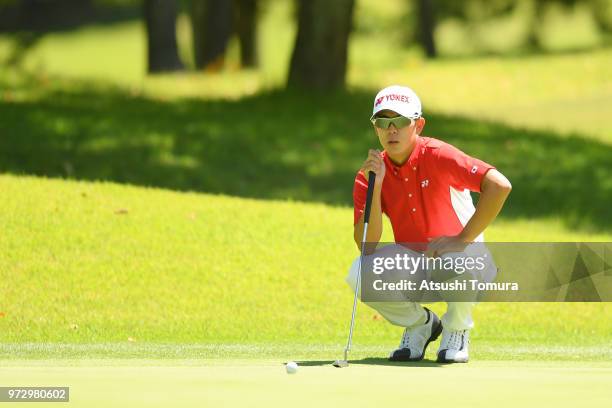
(429, 195)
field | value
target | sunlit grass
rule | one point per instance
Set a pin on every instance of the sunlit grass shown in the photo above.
(92, 263)
(86, 262)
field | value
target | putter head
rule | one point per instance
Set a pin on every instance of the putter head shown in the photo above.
(340, 363)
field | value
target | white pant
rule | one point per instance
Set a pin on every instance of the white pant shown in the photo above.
(458, 315)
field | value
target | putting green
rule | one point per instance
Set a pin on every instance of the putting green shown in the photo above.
(370, 382)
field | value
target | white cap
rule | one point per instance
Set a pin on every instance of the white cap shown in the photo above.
(399, 99)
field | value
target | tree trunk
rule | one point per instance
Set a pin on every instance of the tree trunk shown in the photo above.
(212, 26)
(246, 27)
(320, 54)
(533, 40)
(160, 20)
(427, 25)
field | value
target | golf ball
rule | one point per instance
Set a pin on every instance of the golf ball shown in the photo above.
(291, 367)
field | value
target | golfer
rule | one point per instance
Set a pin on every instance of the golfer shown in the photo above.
(423, 186)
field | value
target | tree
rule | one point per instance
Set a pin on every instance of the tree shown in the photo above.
(478, 11)
(600, 10)
(246, 28)
(160, 21)
(319, 56)
(211, 22)
(427, 25)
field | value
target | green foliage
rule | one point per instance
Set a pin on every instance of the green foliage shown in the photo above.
(512, 26)
(83, 262)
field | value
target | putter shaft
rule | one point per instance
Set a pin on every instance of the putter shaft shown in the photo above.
(350, 337)
(366, 221)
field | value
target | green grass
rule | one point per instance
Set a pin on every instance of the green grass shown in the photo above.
(264, 384)
(87, 263)
(41, 354)
(207, 216)
(279, 145)
(172, 240)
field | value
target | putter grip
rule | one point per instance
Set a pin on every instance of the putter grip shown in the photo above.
(368, 206)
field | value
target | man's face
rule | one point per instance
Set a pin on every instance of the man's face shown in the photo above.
(398, 142)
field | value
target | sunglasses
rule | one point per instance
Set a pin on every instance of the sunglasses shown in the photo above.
(398, 121)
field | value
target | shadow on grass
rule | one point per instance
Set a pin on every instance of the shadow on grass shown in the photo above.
(279, 145)
(374, 361)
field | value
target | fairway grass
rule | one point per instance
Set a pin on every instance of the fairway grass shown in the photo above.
(101, 263)
(172, 240)
(264, 383)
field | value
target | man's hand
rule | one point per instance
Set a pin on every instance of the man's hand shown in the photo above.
(442, 245)
(376, 164)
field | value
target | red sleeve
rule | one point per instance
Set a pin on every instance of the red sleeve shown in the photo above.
(360, 191)
(464, 172)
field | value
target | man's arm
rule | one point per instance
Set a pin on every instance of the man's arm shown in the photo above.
(495, 188)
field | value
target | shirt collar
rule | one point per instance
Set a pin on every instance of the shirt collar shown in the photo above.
(412, 161)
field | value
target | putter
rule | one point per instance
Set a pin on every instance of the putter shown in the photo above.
(366, 220)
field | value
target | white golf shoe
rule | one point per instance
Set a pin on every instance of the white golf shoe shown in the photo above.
(454, 346)
(416, 339)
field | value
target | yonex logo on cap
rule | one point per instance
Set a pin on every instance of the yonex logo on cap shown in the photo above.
(393, 97)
